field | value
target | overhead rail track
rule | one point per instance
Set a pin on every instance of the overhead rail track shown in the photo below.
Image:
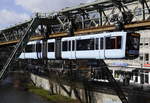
(98, 16)
(85, 31)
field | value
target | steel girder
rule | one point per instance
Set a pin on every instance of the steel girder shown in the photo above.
(98, 13)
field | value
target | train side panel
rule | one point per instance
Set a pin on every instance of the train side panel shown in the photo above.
(22, 56)
(94, 46)
(68, 48)
(115, 45)
(110, 45)
(51, 49)
(85, 47)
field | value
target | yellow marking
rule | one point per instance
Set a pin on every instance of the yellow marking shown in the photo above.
(135, 34)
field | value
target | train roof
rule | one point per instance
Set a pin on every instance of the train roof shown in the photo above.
(96, 35)
(51, 40)
(34, 42)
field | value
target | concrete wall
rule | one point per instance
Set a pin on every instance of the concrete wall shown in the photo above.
(83, 95)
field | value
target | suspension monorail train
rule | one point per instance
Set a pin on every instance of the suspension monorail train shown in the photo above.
(112, 45)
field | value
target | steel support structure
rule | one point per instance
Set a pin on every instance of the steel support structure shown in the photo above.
(98, 13)
(23, 42)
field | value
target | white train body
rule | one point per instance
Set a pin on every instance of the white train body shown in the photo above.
(112, 45)
(94, 52)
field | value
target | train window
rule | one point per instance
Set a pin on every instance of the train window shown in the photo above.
(96, 43)
(146, 57)
(146, 44)
(142, 78)
(86, 44)
(30, 48)
(141, 57)
(136, 78)
(101, 43)
(113, 42)
(38, 47)
(146, 78)
(64, 46)
(133, 42)
(69, 45)
(50, 47)
(73, 45)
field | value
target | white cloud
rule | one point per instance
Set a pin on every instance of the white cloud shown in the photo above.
(10, 18)
(48, 5)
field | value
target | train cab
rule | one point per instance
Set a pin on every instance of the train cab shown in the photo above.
(33, 50)
(132, 45)
(30, 50)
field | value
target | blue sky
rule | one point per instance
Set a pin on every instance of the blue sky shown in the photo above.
(15, 11)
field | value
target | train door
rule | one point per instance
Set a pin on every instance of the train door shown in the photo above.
(69, 49)
(44, 49)
(66, 49)
(73, 50)
(57, 52)
(97, 48)
(102, 48)
(38, 50)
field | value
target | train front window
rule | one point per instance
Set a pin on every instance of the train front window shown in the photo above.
(113, 42)
(30, 48)
(133, 42)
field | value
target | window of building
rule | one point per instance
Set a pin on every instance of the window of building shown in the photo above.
(50, 47)
(117, 73)
(86, 44)
(146, 44)
(135, 74)
(142, 78)
(141, 43)
(136, 78)
(138, 11)
(113, 42)
(146, 57)
(146, 78)
(141, 57)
